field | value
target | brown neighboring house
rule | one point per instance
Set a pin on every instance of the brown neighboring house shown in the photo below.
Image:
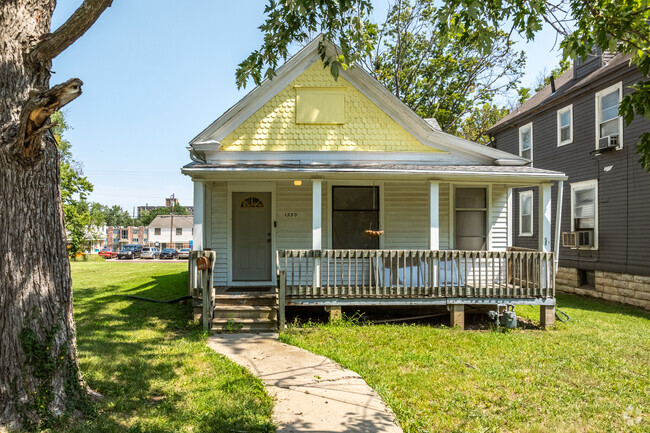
(573, 126)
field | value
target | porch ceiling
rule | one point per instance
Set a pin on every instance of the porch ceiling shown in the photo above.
(466, 172)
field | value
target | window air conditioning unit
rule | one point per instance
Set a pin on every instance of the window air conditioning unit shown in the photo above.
(569, 239)
(609, 142)
(585, 238)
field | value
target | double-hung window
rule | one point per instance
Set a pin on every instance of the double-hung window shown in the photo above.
(179, 231)
(584, 213)
(526, 141)
(565, 126)
(608, 122)
(526, 213)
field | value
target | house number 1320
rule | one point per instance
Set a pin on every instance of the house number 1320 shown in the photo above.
(290, 214)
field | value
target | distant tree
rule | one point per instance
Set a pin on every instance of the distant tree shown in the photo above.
(114, 216)
(436, 76)
(148, 216)
(74, 189)
(544, 78)
(481, 118)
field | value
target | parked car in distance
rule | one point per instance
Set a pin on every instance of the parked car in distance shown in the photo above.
(169, 253)
(130, 251)
(107, 253)
(184, 253)
(150, 253)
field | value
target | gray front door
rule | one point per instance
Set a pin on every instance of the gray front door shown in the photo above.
(251, 238)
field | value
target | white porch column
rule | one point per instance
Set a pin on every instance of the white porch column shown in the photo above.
(199, 210)
(316, 212)
(545, 217)
(545, 231)
(434, 224)
(558, 223)
(434, 215)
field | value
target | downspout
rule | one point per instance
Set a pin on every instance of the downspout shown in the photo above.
(558, 223)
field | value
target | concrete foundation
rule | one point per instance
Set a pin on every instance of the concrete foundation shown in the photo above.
(610, 286)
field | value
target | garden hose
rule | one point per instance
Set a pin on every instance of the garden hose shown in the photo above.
(558, 314)
(173, 301)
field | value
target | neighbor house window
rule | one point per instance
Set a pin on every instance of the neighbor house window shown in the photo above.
(179, 231)
(608, 122)
(584, 213)
(526, 141)
(565, 126)
(355, 209)
(471, 219)
(526, 213)
(156, 231)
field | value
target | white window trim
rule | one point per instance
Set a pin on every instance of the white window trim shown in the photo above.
(578, 186)
(532, 208)
(609, 89)
(530, 124)
(568, 108)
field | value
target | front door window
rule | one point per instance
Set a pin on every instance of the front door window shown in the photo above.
(355, 209)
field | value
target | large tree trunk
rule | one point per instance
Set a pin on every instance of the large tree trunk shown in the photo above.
(39, 377)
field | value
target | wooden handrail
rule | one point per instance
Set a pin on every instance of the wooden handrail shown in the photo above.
(201, 283)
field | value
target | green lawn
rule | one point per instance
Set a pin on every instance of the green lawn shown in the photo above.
(150, 362)
(590, 375)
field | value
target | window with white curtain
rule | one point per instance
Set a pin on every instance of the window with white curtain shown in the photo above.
(608, 122)
(526, 141)
(526, 213)
(565, 126)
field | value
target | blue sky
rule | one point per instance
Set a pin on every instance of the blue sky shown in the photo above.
(155, 74)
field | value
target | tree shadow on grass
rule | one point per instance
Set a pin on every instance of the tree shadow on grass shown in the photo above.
(578, 302)
(135, 352)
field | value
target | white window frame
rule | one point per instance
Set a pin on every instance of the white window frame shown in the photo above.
(523, 194)
(578, 186)
(521, 128)
(568, 108)
(618, 86)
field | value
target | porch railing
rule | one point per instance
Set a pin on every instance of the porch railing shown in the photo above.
(416, 274)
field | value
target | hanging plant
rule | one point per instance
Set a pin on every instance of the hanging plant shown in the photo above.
(374, 233)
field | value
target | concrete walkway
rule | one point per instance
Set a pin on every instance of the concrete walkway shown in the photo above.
(312, 393)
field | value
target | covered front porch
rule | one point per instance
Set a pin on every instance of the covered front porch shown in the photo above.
(418, 236)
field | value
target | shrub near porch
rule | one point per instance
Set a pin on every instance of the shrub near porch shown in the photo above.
(150, 362)
(588, 375)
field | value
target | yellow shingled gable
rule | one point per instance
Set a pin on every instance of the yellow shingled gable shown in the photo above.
(367, 128)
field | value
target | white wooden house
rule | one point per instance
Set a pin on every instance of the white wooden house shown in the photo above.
(351, 198)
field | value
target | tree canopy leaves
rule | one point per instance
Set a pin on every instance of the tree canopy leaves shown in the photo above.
(441, 76)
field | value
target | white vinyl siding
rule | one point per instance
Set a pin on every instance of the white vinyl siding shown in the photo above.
(498, 219)
(219, 228)
(526, 141)
(293, 216)
(526, 213)
(443, 205)
(406, 216)
(608, 122)
(565, 126)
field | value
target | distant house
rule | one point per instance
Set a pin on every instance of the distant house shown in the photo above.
(345, 197)
(117, 237)
(168, 232)
(573, 126)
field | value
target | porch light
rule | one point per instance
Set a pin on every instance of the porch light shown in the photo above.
(297, 182)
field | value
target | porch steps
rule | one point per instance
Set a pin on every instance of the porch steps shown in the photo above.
(245, 312)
